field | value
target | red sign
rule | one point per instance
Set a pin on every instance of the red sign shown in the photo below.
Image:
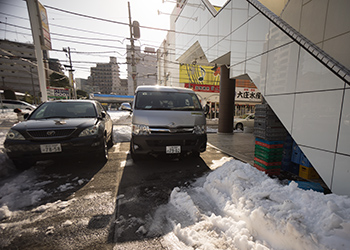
(203, 88)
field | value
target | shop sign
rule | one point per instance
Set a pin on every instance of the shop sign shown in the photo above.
(58, 93)
(248, 95)
(203, 88)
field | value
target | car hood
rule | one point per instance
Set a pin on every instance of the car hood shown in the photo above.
(168, 118)
(55, 123)
(238, 119)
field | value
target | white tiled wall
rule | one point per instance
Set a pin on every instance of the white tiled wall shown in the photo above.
(312, 103)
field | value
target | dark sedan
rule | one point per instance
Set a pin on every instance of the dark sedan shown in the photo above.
(57, 129)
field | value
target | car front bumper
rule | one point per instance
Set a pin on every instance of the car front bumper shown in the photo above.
(31, 150)
(156, 144)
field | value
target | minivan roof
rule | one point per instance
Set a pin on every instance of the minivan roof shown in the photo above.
(163, 88)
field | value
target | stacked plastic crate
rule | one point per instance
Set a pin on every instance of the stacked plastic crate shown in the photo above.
(270, 136)
(304, 166)
(287, 164)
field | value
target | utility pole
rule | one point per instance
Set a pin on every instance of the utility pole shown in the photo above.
(71, 78)
(134, 33)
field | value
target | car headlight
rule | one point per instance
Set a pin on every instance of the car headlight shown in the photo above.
(14, 135)
(140, 129)
(200, 129)
(93, 130)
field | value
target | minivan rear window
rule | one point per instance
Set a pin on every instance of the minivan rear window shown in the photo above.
(158, 100)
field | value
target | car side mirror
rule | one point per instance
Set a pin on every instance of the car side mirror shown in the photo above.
(26, 115)
(103, 114)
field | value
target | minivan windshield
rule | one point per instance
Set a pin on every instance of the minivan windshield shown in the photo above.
(161, 100)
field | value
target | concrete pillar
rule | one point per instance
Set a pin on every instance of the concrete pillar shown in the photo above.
(227, 100)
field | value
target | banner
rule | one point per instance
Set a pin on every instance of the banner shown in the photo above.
(198, 74)
(45, 32)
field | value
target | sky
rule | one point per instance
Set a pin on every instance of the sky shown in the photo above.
(91, 40)
(234, 206)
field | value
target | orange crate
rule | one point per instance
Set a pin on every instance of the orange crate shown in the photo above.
(268, 145)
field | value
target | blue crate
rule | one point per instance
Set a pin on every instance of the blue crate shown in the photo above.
(306, 185)
(305, 161)
(293, 168)
(285, 165)
(296, 154)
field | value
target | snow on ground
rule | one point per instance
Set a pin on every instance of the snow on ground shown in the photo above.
(24, 189)
(233, 207)
(238, 207)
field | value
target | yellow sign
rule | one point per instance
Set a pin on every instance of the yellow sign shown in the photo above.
(198, 74)
(46, 43)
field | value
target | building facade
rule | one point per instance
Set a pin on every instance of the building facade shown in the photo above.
(105, 77)
(297, 54)
(18, 69)
(145, 68)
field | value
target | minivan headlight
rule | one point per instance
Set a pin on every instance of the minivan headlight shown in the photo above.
(140, 129)
(14, 135)
(93, 130)
(200, 129)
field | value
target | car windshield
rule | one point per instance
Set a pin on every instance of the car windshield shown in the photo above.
(157, 100)
(64, 110)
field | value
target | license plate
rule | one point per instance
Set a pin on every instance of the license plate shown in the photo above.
(173, 149)
(50, 148)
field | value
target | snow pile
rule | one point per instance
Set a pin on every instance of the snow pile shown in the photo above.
(121, 129)
(20, 192)
(239, 207)
(120, 117)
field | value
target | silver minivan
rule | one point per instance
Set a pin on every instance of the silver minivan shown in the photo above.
(167, 120)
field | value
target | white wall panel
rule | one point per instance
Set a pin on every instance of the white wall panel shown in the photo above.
(344, 135)
(316, 119)
(237, 70)
(313, 19)
(341, 183)
(224, 27)
(256, 69)
(323, 161)
(314, 76)
(239, 4)
(213, 39)
(338, 18)
(258, 30)
(239, 45)
(283, 106)
(203, 38)
(332, 46)
(282, 69)
(277, 37)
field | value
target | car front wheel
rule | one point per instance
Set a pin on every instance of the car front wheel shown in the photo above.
(103, 151)
(23, 165)
(239, 126)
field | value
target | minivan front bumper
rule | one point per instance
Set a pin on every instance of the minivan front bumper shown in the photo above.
(156, 144)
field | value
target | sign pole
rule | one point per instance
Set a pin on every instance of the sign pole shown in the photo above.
(34, 17)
